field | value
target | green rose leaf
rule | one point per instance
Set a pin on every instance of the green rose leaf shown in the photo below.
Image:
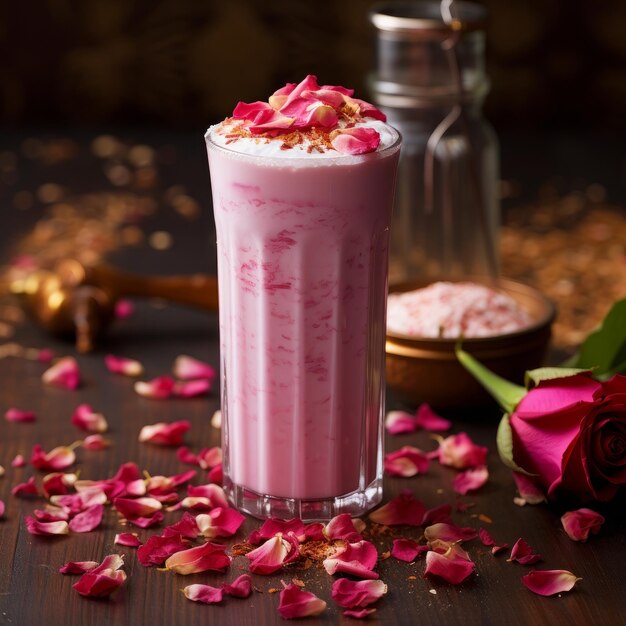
(552, 373)
(505, 393)
(604, 350)
(504, 441)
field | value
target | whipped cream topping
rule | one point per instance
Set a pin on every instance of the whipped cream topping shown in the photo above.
(305, 119)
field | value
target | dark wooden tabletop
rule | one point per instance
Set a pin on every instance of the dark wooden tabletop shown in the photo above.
(33, 592)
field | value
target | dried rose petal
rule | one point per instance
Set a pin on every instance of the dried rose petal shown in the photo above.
(550, 582)
(122, 365)
(407, 462)
(85, 418)
(403, 510)
(427, 419)
(210, 556)
(461, 452)
(130, 540)
(192, 388)
(342, 527)
(357, 559)
(241, 587)
(88, 520)
(295, 603)
(157, 549)
(29, 488)
(58, 458)
(314, 532)
(185, 527)
(18, 461)
(123, 309)
(578, 524)
(523, 553)
(470, 480)
(437, 514)
(220, 522)
(165, 434)
(360, 614)
(64, 373)
(16, 415)
(451, 566)
(157, 388)
(188, 368)
(35, 527)
(213, 493)
(529, 492)
(203, 593)
(138, 507)
(399, 422)
(349, 593)
(355, 140)
(448, 533)
(103, 580)
(95, 442)
(407, 549)
(269, 557)
(78, 567)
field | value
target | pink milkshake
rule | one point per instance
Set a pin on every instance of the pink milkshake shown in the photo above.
(302, 193)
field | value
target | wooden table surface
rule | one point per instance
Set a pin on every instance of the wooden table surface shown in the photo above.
(33, 592)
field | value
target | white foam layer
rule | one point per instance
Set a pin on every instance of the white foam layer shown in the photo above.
(261, 146)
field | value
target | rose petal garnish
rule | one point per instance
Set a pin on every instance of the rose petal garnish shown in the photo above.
(529, 492)
(17, 415)
(185, 527)
(398, 422)
(450, 566)
(404, 509)
(57, 483)
(357, 559)
(241, 587)
(270, 556)
(103, 580)
(123, 309)
(165, 434)
(58, 458)
(523, 553)
(470, 480)
(88, 520)
(349, 593)
(295, 603)
(408, 461)
(64, 373)
(213, 493)
(448, 533)
(95, 442)
(549, 582)
(437, 514)
(188, 368)
(18, 461)
(407, 549)
(122, 365)
(78, 567)
(203, 593)
(210, 556)
(158, 388)
(355, 140)
(35, 527)
(157, 549)
(220, 522)
(342, 527)
(192, 388)
(427, 419)
(138, 507)
(578, 524)
(487, 540)
(29, 488)
(85, 418)
(360, 614)
(216, 419)
(130, 540)
(461, 452)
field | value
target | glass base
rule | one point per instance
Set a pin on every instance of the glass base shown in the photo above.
(263, 506)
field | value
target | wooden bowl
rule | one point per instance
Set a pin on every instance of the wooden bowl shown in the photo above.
(421, 369)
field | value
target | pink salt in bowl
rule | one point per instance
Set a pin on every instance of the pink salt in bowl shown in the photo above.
(425, 369)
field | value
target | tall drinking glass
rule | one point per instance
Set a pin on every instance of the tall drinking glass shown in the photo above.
(302, 248)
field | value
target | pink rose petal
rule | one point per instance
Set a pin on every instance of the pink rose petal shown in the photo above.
(78, 567)
(57, 483)
(241, 587)
(437, 514)
(53, 513)
(357, 559)
(147, 522)
(64, 373)
(220, 522)
(87, 520)
(216, 475)
(123, 309)
(185, 527)
(523, 553)
(407, 462)
(158, 388)
(85, 418)
(448, 533)
(580, 523)
(188, 368)
(18, 461)
(450, 566)
(80, 501)
(95, 442)
(16, 415)
(44, 355)
(122, 365)
(270, 556)
(192, 388)
(57, 459)
(138, 507)
(460, 452)
(162, 485)
(407, 549)
(2, 508)
(213, 493)
(361, 593)
(29, 488)
(130, 540)
(209, 556)
(295, 603)
(103, 580)
(549, 582)
(35, 527)
(487, 540)
(403, 510)
(399, 422)
(165, 434)
(427, 419)
(203, 593)
(341, 527)
(470, 480)
(530, 493)
(157, 549)
(360, 614)
(355, 140)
